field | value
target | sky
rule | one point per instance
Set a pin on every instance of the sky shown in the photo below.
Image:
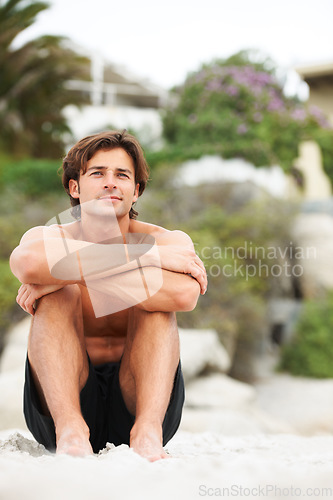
(164, 41)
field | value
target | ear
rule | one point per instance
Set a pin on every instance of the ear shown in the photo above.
(74, 190)
(136, 193)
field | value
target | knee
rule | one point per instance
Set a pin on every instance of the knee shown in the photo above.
(67, 298)
(139, 316)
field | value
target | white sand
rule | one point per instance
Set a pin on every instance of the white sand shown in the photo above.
(202, 464)
(245, 442)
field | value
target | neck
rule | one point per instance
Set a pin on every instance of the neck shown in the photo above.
(103, 229)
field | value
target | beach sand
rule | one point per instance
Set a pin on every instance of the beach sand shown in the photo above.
(202, 464)
(271, 440)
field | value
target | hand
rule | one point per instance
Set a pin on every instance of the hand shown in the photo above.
(184, 260)
(27, 295)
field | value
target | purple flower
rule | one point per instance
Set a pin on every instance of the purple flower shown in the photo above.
(316, 112)
(319, 116)
(242, 129)
(276, 104)
(214, 85)
(232, 90)
(298, 114)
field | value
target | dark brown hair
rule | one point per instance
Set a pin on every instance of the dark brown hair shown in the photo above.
(75, 162)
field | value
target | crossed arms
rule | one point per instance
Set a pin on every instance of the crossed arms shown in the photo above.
(166, 276)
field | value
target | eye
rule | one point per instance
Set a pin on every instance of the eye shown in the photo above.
(121, 174)
(96, 173)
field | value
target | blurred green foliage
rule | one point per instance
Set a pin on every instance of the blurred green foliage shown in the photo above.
(31, 193)
(237, 108)
(31, 177)
(34, 84)
(310, 352)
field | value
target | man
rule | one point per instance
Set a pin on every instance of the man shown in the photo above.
(103, 350)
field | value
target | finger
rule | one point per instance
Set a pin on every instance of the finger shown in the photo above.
(200, 276)
(29, 302)
(203, 279)
(199, 262)
(28, 306)
(21, 297)
(23, 302)
(20, 292)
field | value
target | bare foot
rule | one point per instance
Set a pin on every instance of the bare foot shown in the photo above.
(71, 441)
(146, 440)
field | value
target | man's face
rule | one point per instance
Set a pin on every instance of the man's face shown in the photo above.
(108, 185)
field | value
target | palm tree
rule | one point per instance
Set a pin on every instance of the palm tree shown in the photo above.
(33, 89)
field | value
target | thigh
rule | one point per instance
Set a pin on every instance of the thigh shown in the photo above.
(93, 407)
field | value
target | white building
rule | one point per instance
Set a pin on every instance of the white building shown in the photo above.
(118, 100)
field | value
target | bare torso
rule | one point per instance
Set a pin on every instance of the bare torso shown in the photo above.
(106, 336)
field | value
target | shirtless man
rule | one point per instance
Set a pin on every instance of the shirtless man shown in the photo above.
(112, 375)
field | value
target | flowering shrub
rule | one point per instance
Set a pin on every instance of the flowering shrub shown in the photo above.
(238, 109)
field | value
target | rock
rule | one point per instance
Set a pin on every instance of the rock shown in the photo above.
(313, 250)
(250, 179)
(316, 183)
(283, 314)
(11, 401)
(219, 391)
(15, 352)
(201, 350)
(218, 403)
(230, 422)
(12, 364)
(305, 403)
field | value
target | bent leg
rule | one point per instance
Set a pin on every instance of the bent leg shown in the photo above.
(59, 366)
(146, 377)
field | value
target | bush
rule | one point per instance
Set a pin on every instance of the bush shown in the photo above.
(31, 177)
(237, 107)
(310, 353)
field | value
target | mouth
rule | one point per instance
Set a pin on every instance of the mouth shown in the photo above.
(110, 198)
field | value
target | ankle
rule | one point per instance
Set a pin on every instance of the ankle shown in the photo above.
(73, 441)
(147, 426)
(73, 425)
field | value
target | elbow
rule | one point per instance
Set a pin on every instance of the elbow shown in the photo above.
(22, 266)
(188, 305)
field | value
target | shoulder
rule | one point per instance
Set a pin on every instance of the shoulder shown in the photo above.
(137, 226)
(160, 233)
(162, 236)
(175, 237)
(53, 231)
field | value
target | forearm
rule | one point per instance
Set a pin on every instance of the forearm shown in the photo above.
(150, 288)
(179, 292)
(50, 260)
(63, 261)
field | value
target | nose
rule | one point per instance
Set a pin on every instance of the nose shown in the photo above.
(110, 181)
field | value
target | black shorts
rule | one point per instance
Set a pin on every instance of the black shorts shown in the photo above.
(103, 409)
